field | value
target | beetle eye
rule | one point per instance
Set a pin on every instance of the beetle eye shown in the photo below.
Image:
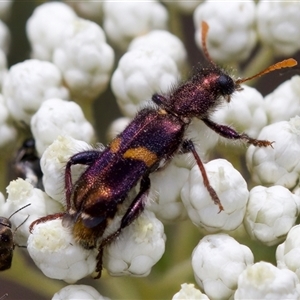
(226, 85)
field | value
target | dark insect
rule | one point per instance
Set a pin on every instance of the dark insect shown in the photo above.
(26, 164)
(150, 140)
(7, 243)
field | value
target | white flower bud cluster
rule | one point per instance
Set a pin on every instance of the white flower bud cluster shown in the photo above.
(76, 46)
(189, 292)
(78, 291)
(59, 117)
(140, 73)
(217, 261)
(232, 34)
(278, 25)
(140, 19)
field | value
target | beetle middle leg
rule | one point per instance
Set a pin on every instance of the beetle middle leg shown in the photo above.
(188, 146)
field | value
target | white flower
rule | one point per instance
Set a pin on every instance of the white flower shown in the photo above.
(28, 84)
(141, 17)
(45, 28)
(88, 9)
(279, 25)
(278, 165)
(162, 40)
(137, 249)
(189, 292)
(20, 193)
(271, 213)
(76, 292)
(217, 262)
(59, 117)
(284, 102)
(116, 127)
(231, 189)
(166, 185)
(288, 253)
(264, 281)
(56, 253)
(53, 162)
(8, 132)
(245, 112)
(85, 59)
(140, 74)
(232, 34)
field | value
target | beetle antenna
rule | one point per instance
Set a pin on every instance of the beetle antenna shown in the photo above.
(204, 31)
(287, 63)
(19, 210)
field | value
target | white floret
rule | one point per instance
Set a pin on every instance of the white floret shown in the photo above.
(80, 291)
(123, 21)
(288, 253)
(139, 247)
(140, 74)
(59, 117)
(164, 41)
(284, 102)
(271, 213)
(264, 281)
(20, 193)
(30, 83)
(189, 292)
(56, 253)
(53, 162)
(8, 131)
(232, 34)
(4, 37)
(85, 59)
(278, 165)
(166, 185)
(278, 25)
(231, 189)
(45, 28)
(88, 9)
(217, 261)
(245, 112)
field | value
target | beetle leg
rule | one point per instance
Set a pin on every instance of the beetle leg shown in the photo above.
(86, 158)
(132, 213)
(230, 133)
(188, 146)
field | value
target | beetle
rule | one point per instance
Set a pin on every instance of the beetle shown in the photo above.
(152, 138)
(7, 243)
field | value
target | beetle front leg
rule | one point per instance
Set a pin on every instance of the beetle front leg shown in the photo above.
(231, 134)
(133, 212)
(188, 146)
(86, 158)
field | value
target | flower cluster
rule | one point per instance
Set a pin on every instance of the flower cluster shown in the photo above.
(81, 49)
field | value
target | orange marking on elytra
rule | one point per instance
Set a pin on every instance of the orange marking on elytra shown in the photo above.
(143, 154)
